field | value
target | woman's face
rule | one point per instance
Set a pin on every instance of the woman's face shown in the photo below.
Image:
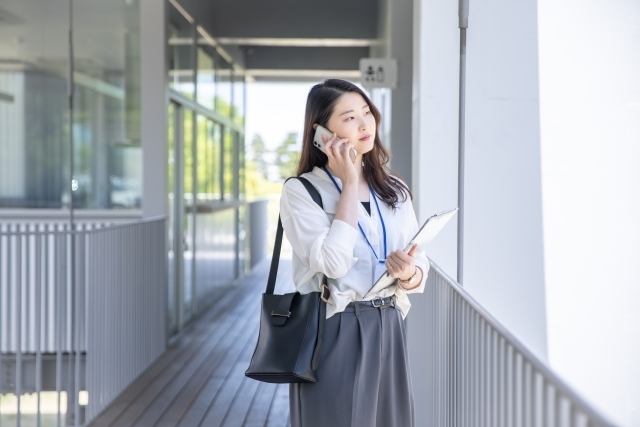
(352, 119)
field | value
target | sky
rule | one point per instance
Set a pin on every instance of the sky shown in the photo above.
(274, 110)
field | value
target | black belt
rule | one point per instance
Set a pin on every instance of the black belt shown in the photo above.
(376, 302)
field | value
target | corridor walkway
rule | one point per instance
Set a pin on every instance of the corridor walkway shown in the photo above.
(200, 381)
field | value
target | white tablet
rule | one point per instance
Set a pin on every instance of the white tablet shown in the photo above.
(427, 232)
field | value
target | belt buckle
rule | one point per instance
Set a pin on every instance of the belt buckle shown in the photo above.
(373, 302)
(322, 293)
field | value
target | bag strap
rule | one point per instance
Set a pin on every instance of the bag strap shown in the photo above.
(275, 258)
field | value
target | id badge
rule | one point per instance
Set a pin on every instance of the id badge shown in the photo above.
(378, 269)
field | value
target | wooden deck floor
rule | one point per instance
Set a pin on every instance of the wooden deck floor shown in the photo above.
(200, 381)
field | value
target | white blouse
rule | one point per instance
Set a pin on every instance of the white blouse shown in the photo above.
(323, 245)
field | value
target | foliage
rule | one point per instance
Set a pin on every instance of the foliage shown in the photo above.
(256, 185)
(288, 156)
(259, 150)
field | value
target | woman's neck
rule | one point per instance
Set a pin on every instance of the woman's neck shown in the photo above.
(359, 168)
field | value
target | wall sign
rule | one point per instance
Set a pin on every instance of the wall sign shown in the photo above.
(378, 72)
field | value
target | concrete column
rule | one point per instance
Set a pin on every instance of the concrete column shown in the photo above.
(504, 263)
(153, 96)
(400, 47)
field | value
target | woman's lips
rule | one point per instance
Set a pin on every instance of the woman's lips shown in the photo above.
(365, 138)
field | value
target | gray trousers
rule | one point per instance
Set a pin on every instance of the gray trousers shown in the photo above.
(363, 374)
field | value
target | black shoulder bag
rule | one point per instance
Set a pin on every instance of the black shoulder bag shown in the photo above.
(291, 325)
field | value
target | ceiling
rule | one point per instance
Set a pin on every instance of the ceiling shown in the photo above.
(292, 39)
(272, 39)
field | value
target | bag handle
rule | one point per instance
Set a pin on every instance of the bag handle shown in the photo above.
(275, 258)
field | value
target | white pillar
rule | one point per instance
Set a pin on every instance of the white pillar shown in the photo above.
(504, 268)
(153, 94)
(400, 42)
(590, 122)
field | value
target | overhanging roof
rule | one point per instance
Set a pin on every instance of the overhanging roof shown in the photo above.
(292, 39)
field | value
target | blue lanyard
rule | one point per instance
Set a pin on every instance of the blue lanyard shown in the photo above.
(384, 230)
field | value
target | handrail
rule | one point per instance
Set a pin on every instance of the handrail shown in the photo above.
(540, 365)
(66, 231)
(99, 329)
(126, 224)
(45, 214)
(487, 373)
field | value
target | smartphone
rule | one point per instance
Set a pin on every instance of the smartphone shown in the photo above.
(317, 141)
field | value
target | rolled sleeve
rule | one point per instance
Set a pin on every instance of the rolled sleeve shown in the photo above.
(343, 235)
(333, 254)
(324, 246)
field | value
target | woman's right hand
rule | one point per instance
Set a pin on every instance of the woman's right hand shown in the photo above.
(340, 162)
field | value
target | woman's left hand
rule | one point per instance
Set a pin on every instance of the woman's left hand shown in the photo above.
(400, 265)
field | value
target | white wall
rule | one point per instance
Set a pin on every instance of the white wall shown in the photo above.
(503, 267)
(590, 121)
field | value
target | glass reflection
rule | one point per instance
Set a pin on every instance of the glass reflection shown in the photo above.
(34, 113)
(189, 208)
(206, 77)
(181, 52)
(211, 250)
(208, 158)
(172, 295)
(216, 256)
(238, 99)
(224, 87)
(227, 166)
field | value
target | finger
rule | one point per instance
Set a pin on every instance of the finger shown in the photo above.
(335, 140)
(403, 260)
(405, 257)
(347, 147)
(394, 265)
(336, 146)
(342, 150)
(329, 144)
(390, 269)
(412, 251)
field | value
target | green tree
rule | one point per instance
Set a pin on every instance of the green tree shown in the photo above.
(258, 151)
(288, 156)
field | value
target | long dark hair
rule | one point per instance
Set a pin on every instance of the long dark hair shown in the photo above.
(321, 100)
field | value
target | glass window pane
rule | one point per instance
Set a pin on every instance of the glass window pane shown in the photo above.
(206, 77)
(34, 131)
(34, 115)
(216, 160)
(180, 52)
(241, 171)
(189, 207)
(238, 99)
(223, 87)
(106, 129)
(208, 161)
(171, 261)
(228, 164)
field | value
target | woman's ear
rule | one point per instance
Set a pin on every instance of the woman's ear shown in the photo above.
(315, 125)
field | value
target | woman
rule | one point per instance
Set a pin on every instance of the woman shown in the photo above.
(363, 373)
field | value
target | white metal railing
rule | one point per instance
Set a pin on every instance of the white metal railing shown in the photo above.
(89, 334)
(35, 285)
(473, 372)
